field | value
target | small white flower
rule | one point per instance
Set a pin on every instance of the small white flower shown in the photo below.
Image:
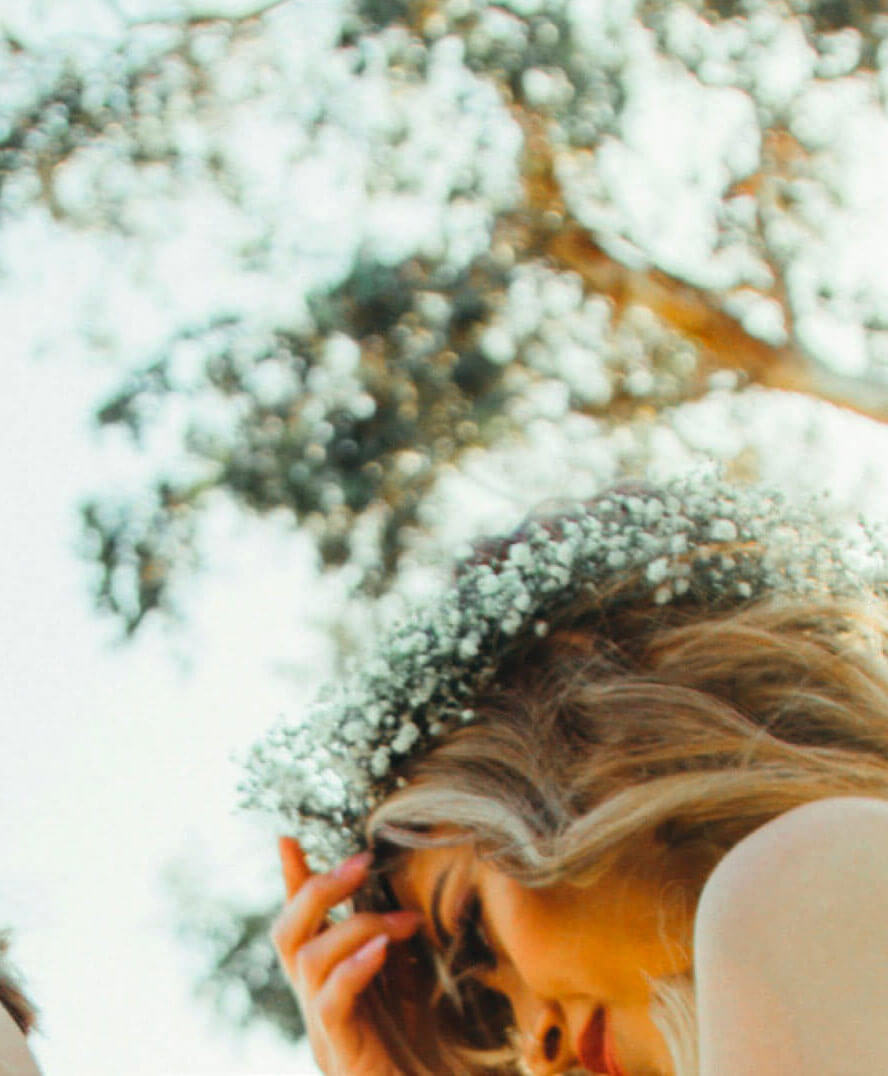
(487, 582)
(522, 602)
(498, 345)
(565, 553)
(556, 578)
(373, 714)
(353, 731)
(520, 555)
(407, 736)
(723, 530)
(380, 762)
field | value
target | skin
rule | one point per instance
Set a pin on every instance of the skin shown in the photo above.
(329, 966)
(560, 953)
(789, 942)
(791, 939)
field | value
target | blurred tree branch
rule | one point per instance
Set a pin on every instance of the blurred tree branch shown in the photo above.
(693, 312)
(194, 20)
(431, 367)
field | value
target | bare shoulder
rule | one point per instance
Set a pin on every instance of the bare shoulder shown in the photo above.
(838, 845)
(789, 946)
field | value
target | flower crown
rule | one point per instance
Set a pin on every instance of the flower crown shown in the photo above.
(701, 542)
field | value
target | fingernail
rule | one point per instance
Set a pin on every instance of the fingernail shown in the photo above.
(353, 866)
(403, 920)
(373, 948)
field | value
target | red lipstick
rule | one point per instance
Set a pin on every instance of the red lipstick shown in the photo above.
(595, 1048)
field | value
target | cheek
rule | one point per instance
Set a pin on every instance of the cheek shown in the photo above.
(611, 947)
(521, 926)
(508, 980)
(567, 940)
(548, 946)
(639, 1044)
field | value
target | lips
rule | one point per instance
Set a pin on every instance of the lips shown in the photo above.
(595, 1048)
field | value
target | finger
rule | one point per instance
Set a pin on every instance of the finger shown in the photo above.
(336, 1002)
(316, 960)
(293, 864)
(304, 916)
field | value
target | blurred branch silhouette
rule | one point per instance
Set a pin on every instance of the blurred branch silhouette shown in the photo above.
(402, 363)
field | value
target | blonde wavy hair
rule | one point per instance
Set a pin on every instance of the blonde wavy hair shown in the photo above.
(677, 729)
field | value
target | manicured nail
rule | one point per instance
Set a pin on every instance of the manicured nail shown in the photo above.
(289, 846)
(353, 866)
(373, 948)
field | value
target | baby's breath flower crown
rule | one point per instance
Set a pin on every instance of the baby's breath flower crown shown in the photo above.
(696, 541)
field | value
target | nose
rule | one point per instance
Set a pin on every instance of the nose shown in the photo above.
(547, 1047)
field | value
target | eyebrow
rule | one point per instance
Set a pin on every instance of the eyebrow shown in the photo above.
(444, 936)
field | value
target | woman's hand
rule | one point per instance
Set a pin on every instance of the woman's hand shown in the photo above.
(329, 966)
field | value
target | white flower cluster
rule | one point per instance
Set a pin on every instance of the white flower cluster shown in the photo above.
(694, 540)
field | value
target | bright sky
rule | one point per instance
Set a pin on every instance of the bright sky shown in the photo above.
(117, 758)
(117, 761)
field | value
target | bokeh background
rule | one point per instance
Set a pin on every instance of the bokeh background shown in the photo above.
(297, 298)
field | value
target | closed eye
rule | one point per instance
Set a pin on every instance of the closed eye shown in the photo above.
(471, 949)
(487, 1013)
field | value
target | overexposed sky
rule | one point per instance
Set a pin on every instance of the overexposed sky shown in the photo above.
(117, 759)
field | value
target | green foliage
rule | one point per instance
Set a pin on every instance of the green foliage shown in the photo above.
(244, 956)
(136, 547)
(336, 444)
(379, 13)
(243, 980)
(388, 385)
(127, 102)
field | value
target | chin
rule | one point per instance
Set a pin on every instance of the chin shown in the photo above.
(644, 1053)
(645, 1068)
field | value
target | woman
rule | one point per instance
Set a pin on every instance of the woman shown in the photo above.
(601, 783)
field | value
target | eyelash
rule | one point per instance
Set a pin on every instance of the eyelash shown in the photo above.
(471, 949)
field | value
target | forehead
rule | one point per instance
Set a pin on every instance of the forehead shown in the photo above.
(416, 876)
